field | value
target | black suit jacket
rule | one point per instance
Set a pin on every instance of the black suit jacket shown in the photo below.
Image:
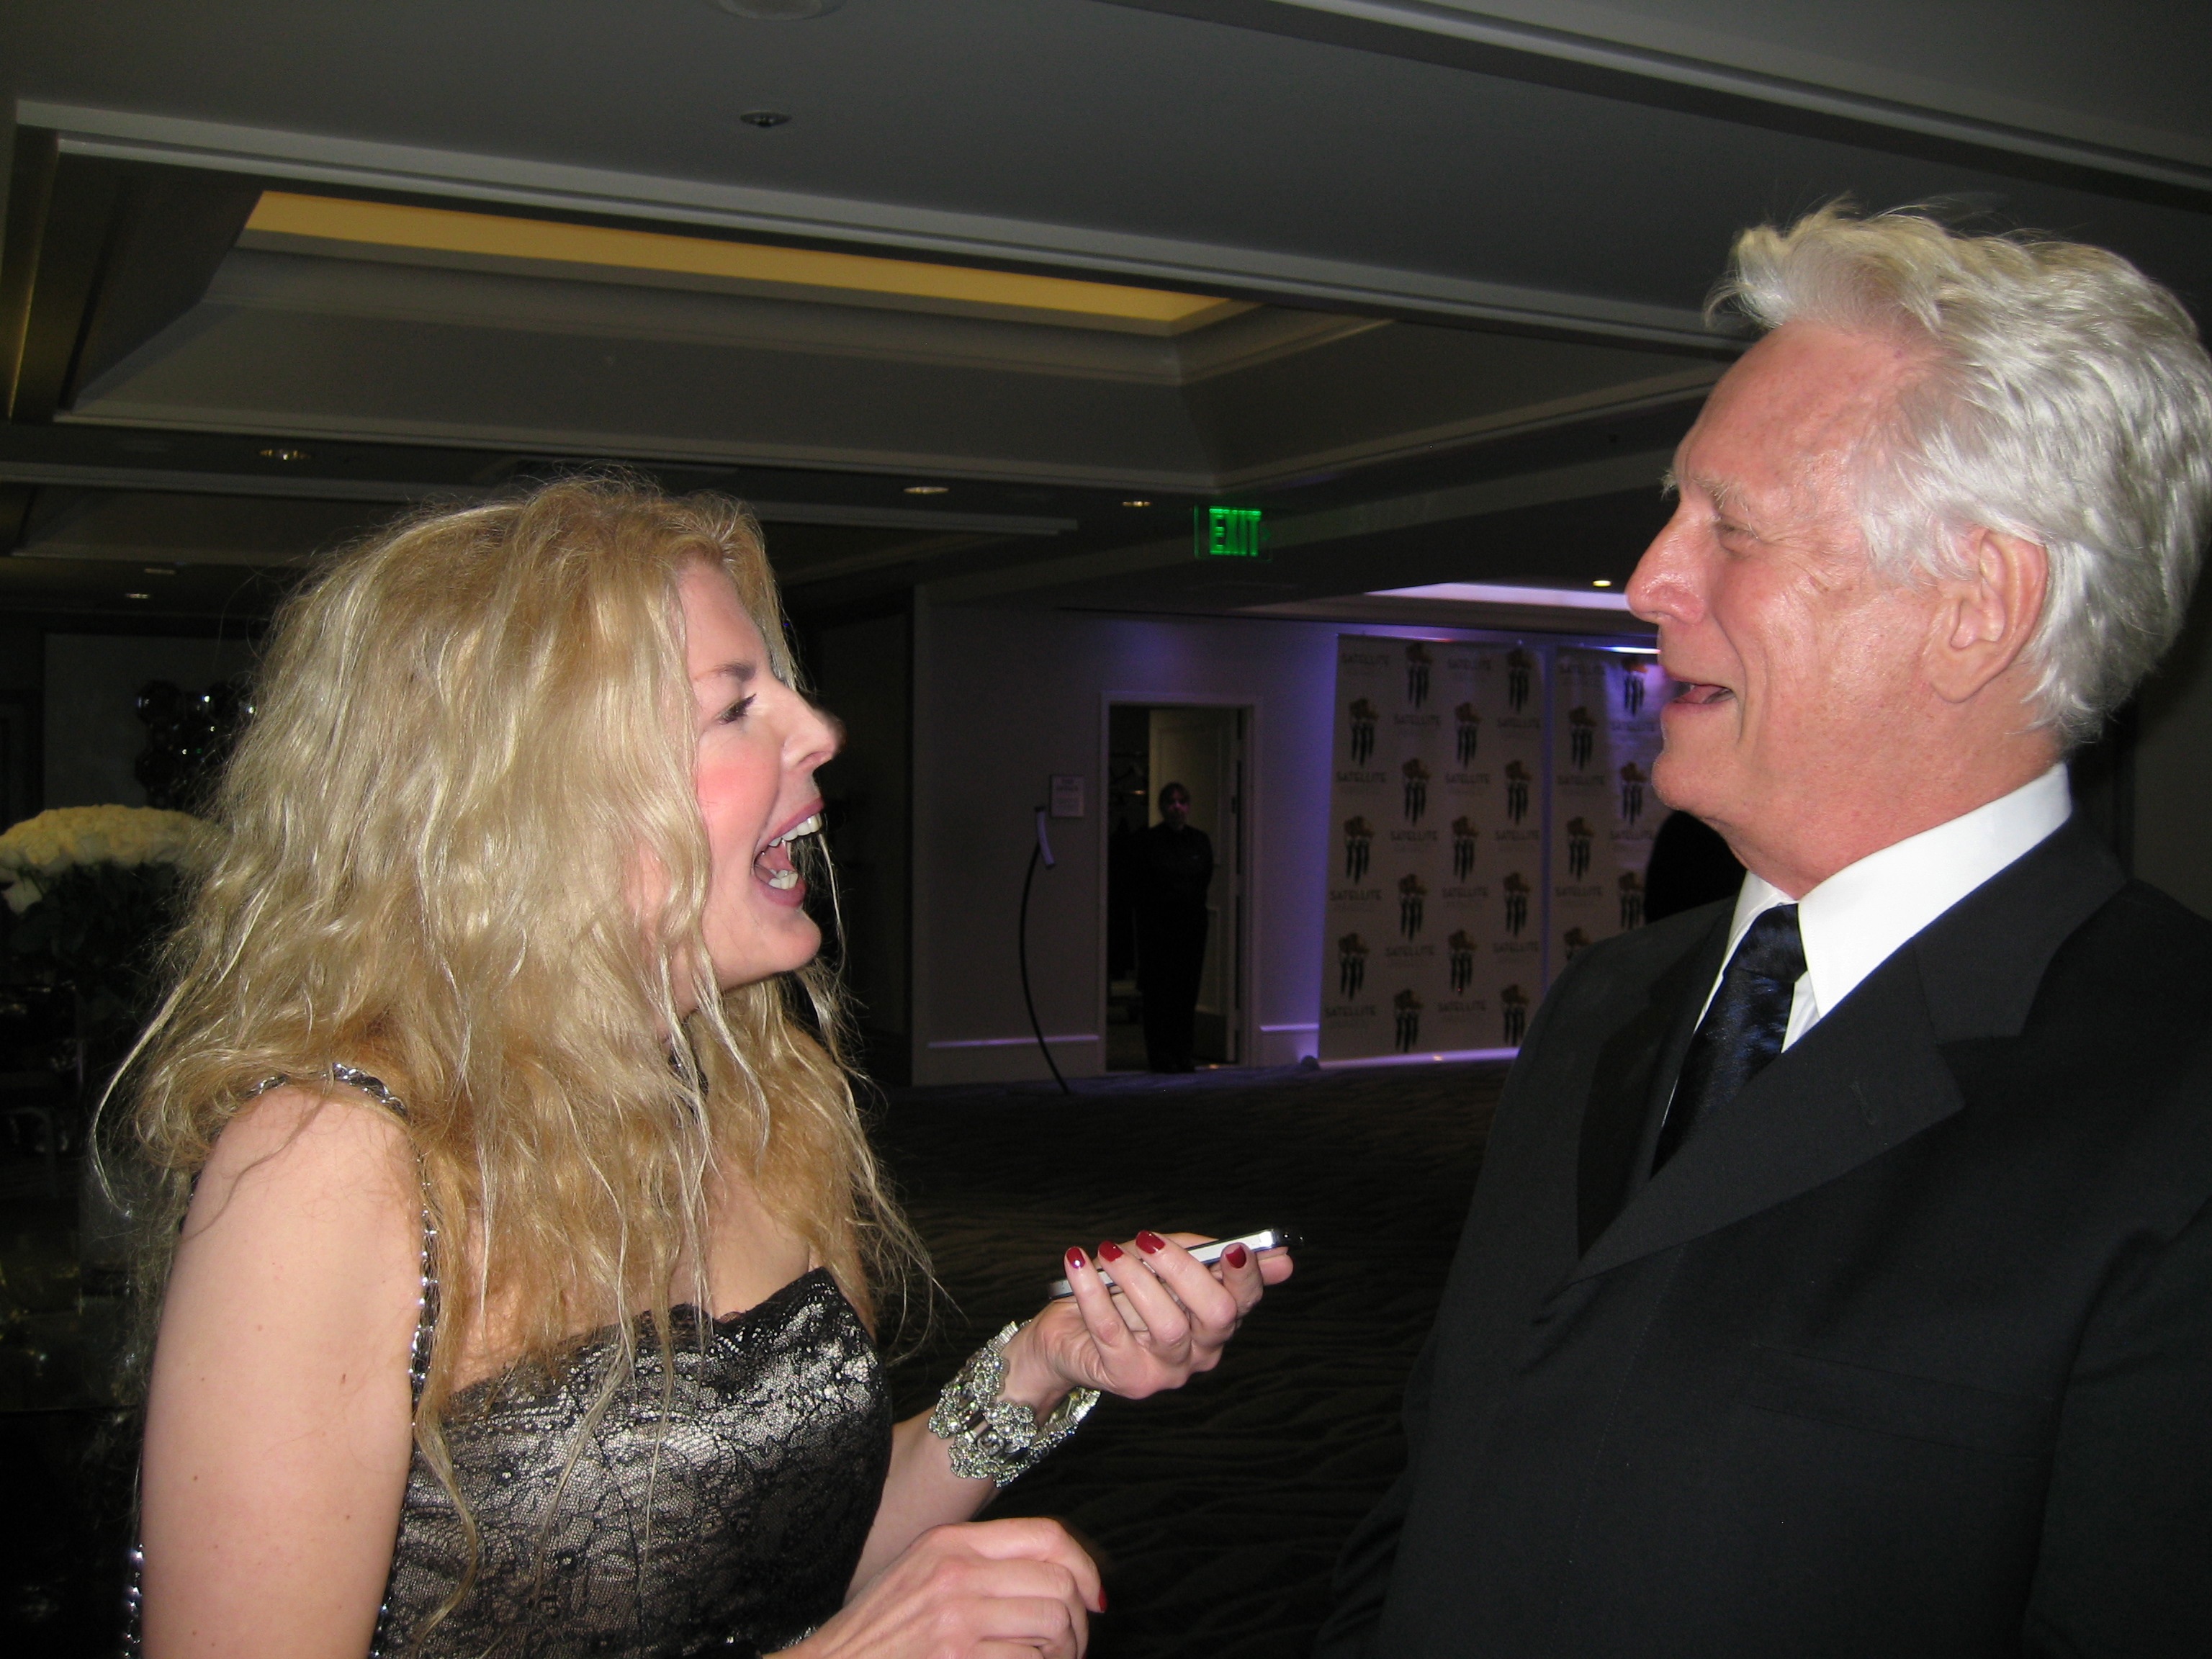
(1907, 1351)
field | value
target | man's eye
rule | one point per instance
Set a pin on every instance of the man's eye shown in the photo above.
(736, 711)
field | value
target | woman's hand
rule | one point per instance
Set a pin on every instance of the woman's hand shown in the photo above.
(1172, 1319)
(982, 1590)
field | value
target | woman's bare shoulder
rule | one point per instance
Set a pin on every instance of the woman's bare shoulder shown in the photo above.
(299, 1155)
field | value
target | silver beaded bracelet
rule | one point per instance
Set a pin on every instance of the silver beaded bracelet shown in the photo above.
(995, 1439)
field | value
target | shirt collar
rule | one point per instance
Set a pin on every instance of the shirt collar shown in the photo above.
(1855, 920)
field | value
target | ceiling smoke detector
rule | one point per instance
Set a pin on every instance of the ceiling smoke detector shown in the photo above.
(765, 118)
(777, 11)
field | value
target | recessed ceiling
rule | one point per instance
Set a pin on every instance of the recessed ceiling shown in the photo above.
(1422, 278)
(287, 221)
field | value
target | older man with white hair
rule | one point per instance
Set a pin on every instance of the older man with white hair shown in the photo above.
(1839, 1279)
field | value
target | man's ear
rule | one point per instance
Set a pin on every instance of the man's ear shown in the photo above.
(1984, 619)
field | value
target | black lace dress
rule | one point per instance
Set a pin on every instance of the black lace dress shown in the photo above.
(726, 1517)
(723, 1513)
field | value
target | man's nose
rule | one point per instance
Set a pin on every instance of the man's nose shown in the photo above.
(1664, 587)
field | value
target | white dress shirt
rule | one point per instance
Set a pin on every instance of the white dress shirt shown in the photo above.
(1852, 923)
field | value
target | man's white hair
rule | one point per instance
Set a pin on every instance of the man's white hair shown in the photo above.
(2066, 399)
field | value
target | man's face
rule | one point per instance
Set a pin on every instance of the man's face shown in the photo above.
(1799, 663)
(1174, 809)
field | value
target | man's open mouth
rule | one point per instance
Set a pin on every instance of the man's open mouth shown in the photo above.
(774, 865)
(1698, 693)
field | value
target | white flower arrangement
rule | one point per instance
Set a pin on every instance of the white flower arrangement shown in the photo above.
(39, 849)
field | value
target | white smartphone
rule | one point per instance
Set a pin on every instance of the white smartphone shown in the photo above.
(1268, 1238)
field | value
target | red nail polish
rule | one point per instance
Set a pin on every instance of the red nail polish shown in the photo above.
(1237, 1255)
(1102, 1598)
(1150, 1243)
(1110, 1251)
(1076, 1260)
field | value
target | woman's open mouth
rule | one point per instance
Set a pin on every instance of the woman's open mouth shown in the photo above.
(773, 865)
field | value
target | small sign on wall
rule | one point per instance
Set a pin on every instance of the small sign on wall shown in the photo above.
(1067, 795)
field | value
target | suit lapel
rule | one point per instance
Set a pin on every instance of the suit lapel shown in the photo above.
(1867, 1078)
(1630, 1083)
(1871, 1075)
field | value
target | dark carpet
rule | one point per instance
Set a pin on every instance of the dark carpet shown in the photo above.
(1217, 1512)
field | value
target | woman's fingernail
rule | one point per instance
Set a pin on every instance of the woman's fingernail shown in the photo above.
(1077, 1261)
(1110, 1251)
(1102, 1598)
(1237, 1255)
(1150, 1243)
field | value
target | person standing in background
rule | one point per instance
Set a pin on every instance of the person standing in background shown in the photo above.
(1174, 868)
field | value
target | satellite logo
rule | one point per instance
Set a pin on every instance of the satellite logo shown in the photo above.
(1517, 779)
(1407, 1007)
(1633, 779)
(1417, 789)
(1579, 836)
(1515, 887)
(1631, 899)
(1576, 941)
(1631, 692)
(1361, 714)
(1470, 732)
(1581, 738)
(1520, 670)
(1513, 1003)
(1417, 673)
(1459, 953)
(1412, 889)
(1350, 965)
(1359, 841)
(1462, 849)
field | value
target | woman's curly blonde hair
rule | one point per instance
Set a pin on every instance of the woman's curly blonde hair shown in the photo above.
(471, 736)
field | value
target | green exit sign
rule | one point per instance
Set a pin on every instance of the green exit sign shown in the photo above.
(1228, 532)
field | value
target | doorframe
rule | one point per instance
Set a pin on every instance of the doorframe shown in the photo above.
(1248, 832)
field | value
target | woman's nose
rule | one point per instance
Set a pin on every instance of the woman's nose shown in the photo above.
(816, 735)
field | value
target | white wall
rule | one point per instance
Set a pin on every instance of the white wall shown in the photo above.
(1003, 700)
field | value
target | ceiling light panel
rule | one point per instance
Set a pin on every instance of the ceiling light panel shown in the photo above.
(446, 230)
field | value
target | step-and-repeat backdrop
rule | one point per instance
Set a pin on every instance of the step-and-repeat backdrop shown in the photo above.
(1494, 816)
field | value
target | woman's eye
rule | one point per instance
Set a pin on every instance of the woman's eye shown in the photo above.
(736, 711)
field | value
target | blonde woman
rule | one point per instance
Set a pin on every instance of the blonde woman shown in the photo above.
(526, 1243)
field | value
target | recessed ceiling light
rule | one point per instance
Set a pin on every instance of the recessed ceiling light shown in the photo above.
(285, 452)
(443, 230)
(1136, 503)
(161, 570)
(137, 596)
(765, 118)
(927, 489)
(777, 11)
(1601, 582)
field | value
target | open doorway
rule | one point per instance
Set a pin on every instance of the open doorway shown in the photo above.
(1163, 939)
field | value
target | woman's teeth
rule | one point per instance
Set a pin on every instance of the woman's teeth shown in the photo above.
(774, 864)
(807, 828)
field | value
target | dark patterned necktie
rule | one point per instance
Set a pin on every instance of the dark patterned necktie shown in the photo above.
(1744, 1028)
